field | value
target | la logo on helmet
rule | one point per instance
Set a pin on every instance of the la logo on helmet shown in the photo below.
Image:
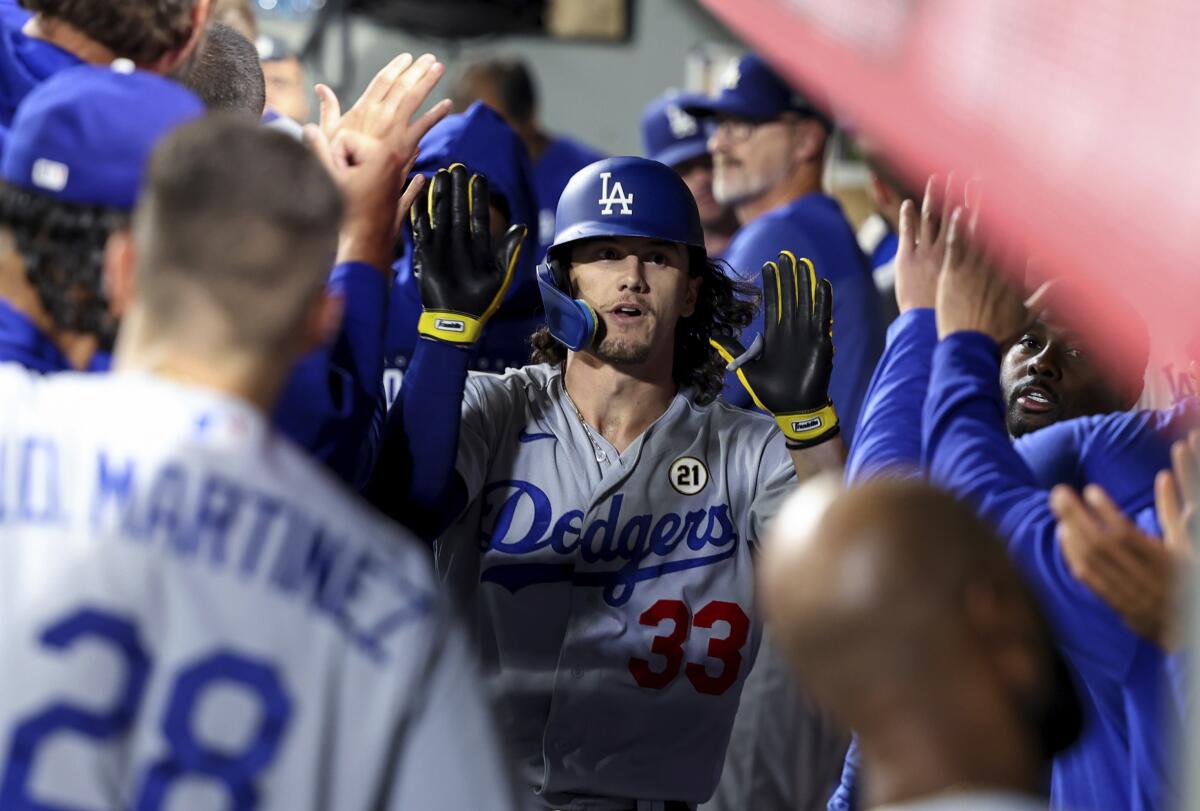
(614, 197)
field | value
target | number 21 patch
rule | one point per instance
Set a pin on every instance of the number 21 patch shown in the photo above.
(688, 475)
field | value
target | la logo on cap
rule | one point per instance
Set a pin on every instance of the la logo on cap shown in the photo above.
(682, 125)
(614, 197)
(50, 175)
(731, 76)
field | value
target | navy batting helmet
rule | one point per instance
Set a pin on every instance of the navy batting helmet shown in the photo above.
(615, 197)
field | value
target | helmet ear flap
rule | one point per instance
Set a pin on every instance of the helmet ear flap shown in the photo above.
(572, 322)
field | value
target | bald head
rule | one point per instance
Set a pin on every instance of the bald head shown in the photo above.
(899, 607)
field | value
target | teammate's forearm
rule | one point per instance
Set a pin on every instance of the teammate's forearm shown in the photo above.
(368, 242)
(330, 396)
(414, 481)
(888, 439)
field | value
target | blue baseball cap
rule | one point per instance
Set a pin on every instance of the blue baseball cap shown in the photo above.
(85, 135)
(670, 134)
(751, 89)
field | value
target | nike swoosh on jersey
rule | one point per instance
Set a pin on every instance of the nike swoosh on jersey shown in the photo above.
(525, 436)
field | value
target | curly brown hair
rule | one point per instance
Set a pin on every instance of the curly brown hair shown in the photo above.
(62, 245)
(140, 30)
(725, 306)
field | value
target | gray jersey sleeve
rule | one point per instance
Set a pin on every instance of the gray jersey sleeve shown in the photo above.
(450, 755)
(776, 476)
(489, 402)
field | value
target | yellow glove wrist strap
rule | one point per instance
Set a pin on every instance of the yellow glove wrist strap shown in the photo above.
(452, 327)
(806, 426)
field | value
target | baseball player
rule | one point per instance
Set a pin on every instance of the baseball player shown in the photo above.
(192, 613)
(1069, 451)
(600, 518)
(968, 449)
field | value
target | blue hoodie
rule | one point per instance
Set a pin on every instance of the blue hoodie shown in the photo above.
(24, 62)
(479, 139)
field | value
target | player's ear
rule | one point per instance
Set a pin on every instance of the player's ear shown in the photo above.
(120, 278)
(324, 321)
(166, 63)
(811, 136)
(691, 295)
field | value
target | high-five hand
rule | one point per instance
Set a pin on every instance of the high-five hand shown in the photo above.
(787, 368)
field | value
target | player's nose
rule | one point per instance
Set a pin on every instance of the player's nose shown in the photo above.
(716, 141)
(633, 273)
(1046, 364)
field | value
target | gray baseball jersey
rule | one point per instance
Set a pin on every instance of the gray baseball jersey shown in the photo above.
(195, 615)
(613, 592)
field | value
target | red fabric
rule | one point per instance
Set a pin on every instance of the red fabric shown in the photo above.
(1081, 116)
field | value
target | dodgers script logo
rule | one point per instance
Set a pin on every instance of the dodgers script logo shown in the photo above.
(614, 197)
(640, 547)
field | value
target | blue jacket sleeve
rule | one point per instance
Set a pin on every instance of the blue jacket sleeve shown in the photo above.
(1121, 452)
(414, 481)
(968, 451)
(331, 395)
(888, 439)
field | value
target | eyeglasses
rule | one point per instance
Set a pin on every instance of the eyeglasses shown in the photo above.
(738, 130)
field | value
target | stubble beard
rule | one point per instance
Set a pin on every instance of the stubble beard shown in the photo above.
(622, 351)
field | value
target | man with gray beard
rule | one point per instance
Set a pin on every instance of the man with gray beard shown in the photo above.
(768, 149)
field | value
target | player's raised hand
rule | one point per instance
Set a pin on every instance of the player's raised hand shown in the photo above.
(386, 108)
(371, 179)
(1139, 576)
(922, 245)
(462, 277)
(972, 296)
(787, 368)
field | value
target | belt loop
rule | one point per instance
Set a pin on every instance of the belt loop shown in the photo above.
(651, 805)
